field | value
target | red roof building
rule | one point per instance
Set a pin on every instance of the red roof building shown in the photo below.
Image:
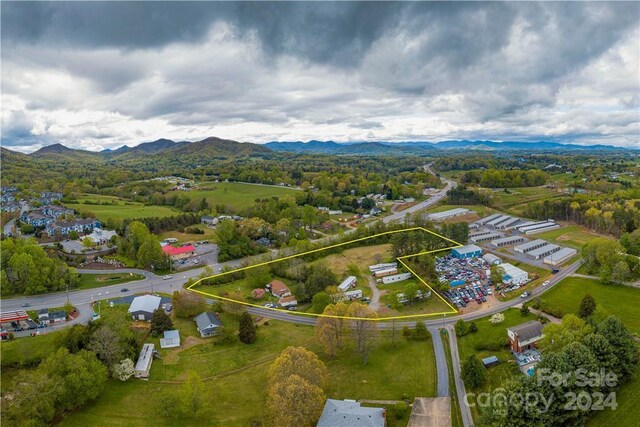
(180, 252)
(12, 316)
(279, 289)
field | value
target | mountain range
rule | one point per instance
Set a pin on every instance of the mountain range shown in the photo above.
(213, 147)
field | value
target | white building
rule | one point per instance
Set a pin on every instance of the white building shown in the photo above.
(514, 275)
(384, 266)
(560, 256)
(451, 213)
(100, 237)
(396, 278)
(385, 272)
(355, 294)
(491, 259)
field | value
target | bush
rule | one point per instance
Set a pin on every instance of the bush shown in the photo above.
(461, 328)
(524, 310)
(473, 328)
(420, 332)
(401, 409)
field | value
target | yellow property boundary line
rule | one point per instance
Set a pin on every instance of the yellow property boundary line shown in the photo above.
(400, 259)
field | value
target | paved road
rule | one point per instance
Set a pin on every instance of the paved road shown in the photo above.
(467, 419)
(8, 227)
(441, 363)
(435, 198)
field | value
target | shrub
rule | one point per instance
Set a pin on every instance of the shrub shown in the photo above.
(401, 409)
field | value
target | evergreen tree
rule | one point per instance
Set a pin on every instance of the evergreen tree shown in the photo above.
(587, 306)
(473, 372)
(247, 329)
(160, 322)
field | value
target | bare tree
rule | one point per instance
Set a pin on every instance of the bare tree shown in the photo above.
(364, 328)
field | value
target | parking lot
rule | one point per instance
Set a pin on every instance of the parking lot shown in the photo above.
(476, 288)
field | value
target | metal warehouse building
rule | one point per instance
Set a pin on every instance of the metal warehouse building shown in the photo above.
(492, 259)
(487, 219)
(498, 243)
(529, 246)
(559, 257)
(514, 275)
(498, 220)
(486, 237)
(539, 228)
(469, 251)
(543, 251)
(508, 223)
(451, 213)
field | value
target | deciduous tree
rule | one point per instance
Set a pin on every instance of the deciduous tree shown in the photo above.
(363, 329)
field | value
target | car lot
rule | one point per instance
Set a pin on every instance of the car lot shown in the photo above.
(475, 286)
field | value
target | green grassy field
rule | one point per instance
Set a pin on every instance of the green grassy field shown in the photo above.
(622, 301)
(209, 234)
(573, 236)
(489, 334)
(88, 281)
(517, 199)
(235, 195)
(235, 377)
(628, 411)
(130, 210)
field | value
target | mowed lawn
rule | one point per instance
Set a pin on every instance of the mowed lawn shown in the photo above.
(235, 195)
(122, 208)
(573, 236)
(622, 301)
(235, 377)
(490, 334)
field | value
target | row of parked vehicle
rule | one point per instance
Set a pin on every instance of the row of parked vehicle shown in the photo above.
(27, 324)
(463, 295)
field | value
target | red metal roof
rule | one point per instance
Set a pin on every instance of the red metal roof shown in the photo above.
(172, 250)
(12, 316)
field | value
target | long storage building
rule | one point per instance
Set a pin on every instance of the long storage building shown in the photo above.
(529, 246)
(507, 241)
(486, 237)
(559, 257)
(451, 213)
(543, 251)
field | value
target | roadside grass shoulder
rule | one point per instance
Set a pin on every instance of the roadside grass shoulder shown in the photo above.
(89, 281)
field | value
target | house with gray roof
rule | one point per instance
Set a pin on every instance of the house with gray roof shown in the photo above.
(525, 336)
(142, 307)
(208, 324)
(349, 413)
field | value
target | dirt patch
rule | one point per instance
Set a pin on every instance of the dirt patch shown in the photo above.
(172, 356)
(563, 238)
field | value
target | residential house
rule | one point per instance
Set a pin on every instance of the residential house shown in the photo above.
(57, 316)
(55, 211)
(349, 282)
(101, 237)
(208, 324)
(288, 301)
(142, 307)
(524, 336)
(349, 413)
(279, 289)
(63, 228)
(43, 316)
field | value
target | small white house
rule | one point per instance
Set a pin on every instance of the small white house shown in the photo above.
(143, 365)
(288, 301)
(396, 278)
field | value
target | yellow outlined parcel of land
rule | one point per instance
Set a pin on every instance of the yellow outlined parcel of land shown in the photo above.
(401, 259)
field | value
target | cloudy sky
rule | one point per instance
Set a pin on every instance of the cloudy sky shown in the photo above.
(99, 75)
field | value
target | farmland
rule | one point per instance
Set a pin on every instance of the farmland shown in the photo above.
(235, 196)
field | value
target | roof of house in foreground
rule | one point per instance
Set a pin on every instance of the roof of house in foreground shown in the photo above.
(349, 413)
(527, 330)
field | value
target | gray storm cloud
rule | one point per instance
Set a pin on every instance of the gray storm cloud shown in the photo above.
(100, 74)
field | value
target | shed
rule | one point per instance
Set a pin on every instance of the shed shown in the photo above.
(491, 259)
(171, 339)
(490, 361)
(288, 301)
